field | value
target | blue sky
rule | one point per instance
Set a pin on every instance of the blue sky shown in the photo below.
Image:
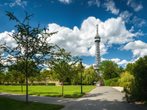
(122, 25)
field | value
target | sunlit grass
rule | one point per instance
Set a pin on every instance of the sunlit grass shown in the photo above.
(54, 91)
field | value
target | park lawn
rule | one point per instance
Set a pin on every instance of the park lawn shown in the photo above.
(10, 104)
(51, 91)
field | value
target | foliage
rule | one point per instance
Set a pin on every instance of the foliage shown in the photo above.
(126, 80)
(139, 90)
(31, 44)
(89, 76)
(1, 58)
(62, 66)
(135, 80)
(109, 69)
(10, 104)
(112, 82)
(129, 68)
(2, 78)
(19, 67)
(78, 71)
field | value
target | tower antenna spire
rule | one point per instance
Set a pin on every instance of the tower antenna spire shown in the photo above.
(97, 29)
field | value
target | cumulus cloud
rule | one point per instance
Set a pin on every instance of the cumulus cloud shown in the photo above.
(138, 21)
(80, 41)
(94, 2)
(86, 65)
(119, 61)
(125, 15)
(21, 3)
(138, 48)
(134, 5)
(65, 1)
(6, 39)
(110, 6)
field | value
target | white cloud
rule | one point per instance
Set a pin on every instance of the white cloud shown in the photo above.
(138, 48)
(119, 61)
(138, 21)
(80, 41)
(125, 15)
(86, 65)
(110, 6)
(65, 1)
(114, 31)
(20, 3)
(6, 39)
(94, 2)
(134, 5)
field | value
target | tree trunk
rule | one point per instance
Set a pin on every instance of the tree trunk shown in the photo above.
(26, 88)
(62, 88)
(21, 87)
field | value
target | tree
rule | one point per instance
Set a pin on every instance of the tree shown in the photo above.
(139, 90)
(62, 65)
(89, 76)
(2, 75)
(126, 80)
(2, 78)
(46, 75)
(109, 69)
(31, 44)
(129, 67)
(1, 64)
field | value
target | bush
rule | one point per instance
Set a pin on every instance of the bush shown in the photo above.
(112, 82)
(126, 80)
(48, 84)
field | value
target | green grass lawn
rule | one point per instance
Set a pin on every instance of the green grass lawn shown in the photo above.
(54, 91)
(10, 104)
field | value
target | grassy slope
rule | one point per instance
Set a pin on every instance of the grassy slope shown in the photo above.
(9, 104)
(69, 91)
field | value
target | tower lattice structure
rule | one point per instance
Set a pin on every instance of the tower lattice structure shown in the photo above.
(97, 51)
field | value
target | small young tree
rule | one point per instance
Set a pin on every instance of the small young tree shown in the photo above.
(62, 66)
(31, 44)
(109, 69)
(18, 71)
(45, 76)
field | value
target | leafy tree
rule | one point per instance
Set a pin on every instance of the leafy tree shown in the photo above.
(126, 80)
(109, 69)
(78, 71)
(1, 64)
(2, 78)
(139, 91)
(46, 75)
(130, 67)
(62, 65)
(31, 44)
(89, 76)
(31, 67)
(8, 78)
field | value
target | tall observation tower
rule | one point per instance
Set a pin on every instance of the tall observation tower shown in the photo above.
(97, 52)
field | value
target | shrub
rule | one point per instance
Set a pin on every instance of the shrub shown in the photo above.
(112, 82)
(126, 80)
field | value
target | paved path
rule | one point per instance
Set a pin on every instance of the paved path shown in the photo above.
(101, 98)
(42, 99)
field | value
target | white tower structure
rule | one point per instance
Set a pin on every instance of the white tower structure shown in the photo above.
(97, 51)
